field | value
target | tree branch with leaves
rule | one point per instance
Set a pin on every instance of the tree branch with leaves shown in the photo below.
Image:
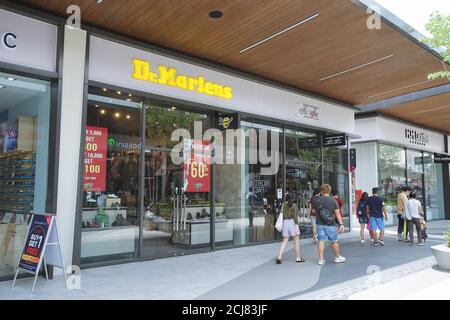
(439, 27)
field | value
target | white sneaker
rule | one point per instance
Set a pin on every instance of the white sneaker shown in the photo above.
(321, 262)
(363, 241)
(339, 259)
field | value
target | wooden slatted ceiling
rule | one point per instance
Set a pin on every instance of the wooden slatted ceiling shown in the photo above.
(432, 112)
(335, 41)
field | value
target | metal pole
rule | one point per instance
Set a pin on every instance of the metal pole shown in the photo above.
(15, 278)
(34, 283)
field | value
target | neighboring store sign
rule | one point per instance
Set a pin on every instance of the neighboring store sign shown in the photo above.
(9, 40)
(441, 158)
(335, 140)
(112, 63)
(42, 246)
(416, 137)
(384, 130)
(27, 42)
(352, 160)
(228, 121)
(168, 76)
(95, 154)
(197, 165)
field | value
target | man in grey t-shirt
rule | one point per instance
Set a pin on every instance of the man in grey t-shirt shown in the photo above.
(327, 213)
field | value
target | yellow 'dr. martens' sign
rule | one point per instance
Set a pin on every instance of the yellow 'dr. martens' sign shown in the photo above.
(170, 77)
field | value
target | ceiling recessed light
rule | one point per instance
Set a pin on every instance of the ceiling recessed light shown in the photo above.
(102, 111)
(11, 79)
(216, 14)
(117, 115)
(119, 92)
(96, 105)
(128, 117)
(129, 95)
(104, 89)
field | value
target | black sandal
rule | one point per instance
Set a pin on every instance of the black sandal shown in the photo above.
(278, 261)
(300, 261)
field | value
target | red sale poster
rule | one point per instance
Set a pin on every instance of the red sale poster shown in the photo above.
(95, 153)
(197, 166)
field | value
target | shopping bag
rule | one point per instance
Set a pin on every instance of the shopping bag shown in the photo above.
(279, 224)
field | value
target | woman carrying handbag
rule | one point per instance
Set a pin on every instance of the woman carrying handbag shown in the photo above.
(287, 224)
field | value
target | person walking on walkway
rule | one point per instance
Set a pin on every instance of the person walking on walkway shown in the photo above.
(402, 199)
(377, 211)
(362, 215)
(412, 215)
(313, 213)
(290, 229)
(327, 213)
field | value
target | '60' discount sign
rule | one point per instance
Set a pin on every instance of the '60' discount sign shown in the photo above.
(95, 151)
(197, 166)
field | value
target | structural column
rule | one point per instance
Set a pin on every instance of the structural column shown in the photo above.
(72, 100)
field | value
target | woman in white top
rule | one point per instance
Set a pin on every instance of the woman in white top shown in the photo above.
(412, 213)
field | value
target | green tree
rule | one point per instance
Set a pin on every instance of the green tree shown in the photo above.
(439, 27)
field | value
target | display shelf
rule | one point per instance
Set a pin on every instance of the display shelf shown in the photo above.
(17, 176)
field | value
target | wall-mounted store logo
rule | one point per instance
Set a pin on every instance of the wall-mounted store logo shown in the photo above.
(168, 76)
(416, 138)
(111, 142)
(308, 111)
(338, 140)
(9, 40)
(228, 121)
(124, 143)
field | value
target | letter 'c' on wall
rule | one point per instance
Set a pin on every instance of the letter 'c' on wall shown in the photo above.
(9, 40)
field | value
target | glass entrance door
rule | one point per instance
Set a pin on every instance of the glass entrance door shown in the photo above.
(176, 216)
(301, 180)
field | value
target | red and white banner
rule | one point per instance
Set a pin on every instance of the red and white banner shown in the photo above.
(197, 166)
(95, 153)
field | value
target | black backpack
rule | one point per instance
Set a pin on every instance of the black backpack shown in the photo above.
(325, 214)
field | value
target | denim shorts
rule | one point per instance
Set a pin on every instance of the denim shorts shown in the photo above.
(313, 220)
(376, 223)
(327, 233)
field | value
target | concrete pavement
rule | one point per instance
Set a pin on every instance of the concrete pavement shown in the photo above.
(250, 273)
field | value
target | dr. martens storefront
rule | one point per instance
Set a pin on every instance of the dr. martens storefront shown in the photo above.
(145, 154)
(181, 158)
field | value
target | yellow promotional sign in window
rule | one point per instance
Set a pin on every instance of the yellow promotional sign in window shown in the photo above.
(169, 76)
